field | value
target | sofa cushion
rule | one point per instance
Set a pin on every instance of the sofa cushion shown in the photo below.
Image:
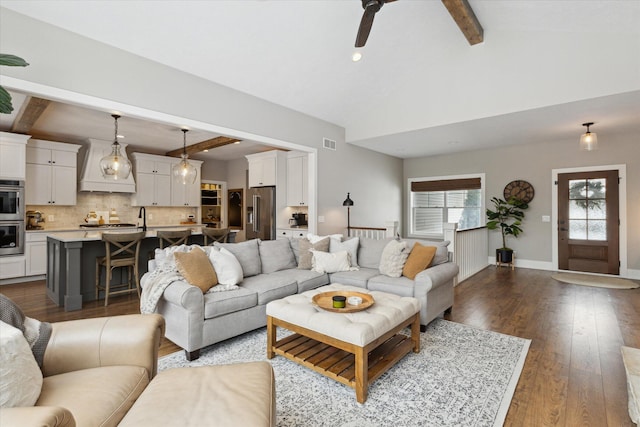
(418, 260)
(20, 375)
(402, 286)
(442, 251)
(241, 394)
(104, 406)
(276, 255)
(306, 257)
(306, 279)
(370, 251)
(227, 266)
(270, 286)
(349, 245)
(324, 262)
(393, 257)
(247, 254)
(221, 303)
(357, 278)
(196, 268)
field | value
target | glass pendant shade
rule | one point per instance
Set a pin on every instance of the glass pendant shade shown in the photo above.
(115, 166)
(588, 140)
(184, 172)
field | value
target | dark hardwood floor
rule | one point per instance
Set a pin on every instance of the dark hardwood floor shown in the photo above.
(573, 375)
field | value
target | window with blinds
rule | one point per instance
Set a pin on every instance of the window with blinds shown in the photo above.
(436, 202)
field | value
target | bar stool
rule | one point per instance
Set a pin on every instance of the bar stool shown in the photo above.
(173, 237)
(122, 250)
(215, 235)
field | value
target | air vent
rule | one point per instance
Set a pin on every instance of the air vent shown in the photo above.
(329, 144)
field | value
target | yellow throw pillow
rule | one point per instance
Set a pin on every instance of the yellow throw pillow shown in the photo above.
(419, 259)
(196, 268)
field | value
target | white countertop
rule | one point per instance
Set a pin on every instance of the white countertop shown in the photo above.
(96, 234)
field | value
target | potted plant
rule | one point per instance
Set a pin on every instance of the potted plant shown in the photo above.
(506, 215)
(5, 97)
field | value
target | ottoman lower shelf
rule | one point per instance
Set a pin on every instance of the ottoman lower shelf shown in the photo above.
(351, 365)
(339, 364)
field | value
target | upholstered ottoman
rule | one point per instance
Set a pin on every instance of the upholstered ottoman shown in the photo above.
(241, 394)
(352, 348)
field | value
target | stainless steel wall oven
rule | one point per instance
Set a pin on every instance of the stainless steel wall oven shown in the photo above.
(11, 217)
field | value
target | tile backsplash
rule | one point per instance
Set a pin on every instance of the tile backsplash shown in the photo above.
(66, 217)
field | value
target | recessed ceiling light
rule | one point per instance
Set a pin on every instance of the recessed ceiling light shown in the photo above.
(357, 56)
(206, 151)
(120, 136)
(237, 142)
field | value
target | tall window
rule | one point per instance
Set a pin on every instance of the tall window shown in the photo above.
(456, 200)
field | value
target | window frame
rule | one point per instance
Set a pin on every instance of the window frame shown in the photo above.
(409, 201)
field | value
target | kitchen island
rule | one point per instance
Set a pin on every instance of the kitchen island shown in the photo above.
(71, 262)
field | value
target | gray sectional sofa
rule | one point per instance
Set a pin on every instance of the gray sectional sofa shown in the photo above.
(270, 268)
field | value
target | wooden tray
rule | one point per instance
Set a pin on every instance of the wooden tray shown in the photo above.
(325, 301)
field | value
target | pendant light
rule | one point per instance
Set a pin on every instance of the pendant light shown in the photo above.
(115, 166)
(348, 203)
(184, 172)
(588, 140)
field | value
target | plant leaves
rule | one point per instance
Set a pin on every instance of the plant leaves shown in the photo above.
(5, 102)
(12, 60)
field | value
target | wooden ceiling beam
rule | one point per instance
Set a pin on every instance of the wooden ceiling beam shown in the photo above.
(461, 12)
(209, 144)
(29, 114)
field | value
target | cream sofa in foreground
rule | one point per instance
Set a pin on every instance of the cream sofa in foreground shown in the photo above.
(195, 320)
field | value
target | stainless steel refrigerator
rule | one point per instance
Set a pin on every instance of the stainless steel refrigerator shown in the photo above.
(261, 213)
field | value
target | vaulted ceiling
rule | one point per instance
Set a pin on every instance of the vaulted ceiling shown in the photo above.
(543, 68)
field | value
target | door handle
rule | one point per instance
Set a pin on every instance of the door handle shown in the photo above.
(256, 213)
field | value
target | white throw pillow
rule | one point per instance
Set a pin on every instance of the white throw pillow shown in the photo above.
(394, 255)
(20, 376)
(227, 267)
(349, 245)
(325, 262)
(313, 238)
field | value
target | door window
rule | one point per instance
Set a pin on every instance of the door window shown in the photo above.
(588, 209)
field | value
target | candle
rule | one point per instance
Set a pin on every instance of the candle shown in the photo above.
(339, 301)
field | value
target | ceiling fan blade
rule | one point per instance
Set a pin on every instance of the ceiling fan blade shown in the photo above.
(365, 27)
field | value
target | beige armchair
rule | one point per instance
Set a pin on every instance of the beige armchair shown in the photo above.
(94, 370)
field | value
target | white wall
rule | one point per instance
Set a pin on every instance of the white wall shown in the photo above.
(67, 61)
(534, 163)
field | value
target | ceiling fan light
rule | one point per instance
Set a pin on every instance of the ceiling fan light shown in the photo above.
(115, 166)
(588, 140)
(357, 56)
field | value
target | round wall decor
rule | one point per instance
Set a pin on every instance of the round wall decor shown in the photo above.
(520, 190)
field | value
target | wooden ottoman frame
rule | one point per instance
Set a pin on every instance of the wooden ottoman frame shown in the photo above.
(347, 363)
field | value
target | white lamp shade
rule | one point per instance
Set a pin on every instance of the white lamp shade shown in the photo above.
(184, 172)
(589, 141)
(115, 166)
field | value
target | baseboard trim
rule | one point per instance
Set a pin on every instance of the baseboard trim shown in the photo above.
(548, 266)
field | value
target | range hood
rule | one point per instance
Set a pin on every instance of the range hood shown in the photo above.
(91, 178)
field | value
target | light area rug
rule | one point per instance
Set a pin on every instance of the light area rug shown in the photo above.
(463, 376)
(595, 281)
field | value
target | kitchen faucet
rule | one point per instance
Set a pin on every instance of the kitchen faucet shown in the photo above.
(142, 213)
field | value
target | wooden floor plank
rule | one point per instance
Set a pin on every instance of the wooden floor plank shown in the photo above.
(559, 385)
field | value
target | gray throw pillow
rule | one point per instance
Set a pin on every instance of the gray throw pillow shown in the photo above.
(247, 254)
(276, 255)
(306, 256)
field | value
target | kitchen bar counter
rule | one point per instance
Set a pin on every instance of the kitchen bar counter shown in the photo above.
(71, 261)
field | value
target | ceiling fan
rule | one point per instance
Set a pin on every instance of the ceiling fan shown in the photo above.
(371, 7)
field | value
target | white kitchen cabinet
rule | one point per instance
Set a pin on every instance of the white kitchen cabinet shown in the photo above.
(153, 180)
(51, 173)
(265, 168)
(297, 179)
(292, 232)
(35, 254)
(11, 267)
(189, 194)
(12, 156)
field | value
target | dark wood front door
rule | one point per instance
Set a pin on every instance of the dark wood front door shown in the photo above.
(588, 222)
